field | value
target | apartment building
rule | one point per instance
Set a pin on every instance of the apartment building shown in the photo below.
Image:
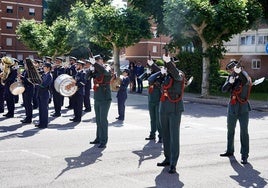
(251, 49)
(11, 12)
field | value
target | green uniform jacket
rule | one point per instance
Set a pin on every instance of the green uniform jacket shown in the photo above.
(102, 90)
(240, 91)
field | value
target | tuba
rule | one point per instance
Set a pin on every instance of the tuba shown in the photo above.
(7, 63)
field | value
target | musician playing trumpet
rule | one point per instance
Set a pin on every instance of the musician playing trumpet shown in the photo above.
(77, 98)
(122, 94)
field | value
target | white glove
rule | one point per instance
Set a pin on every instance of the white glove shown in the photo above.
(237, 70)
(92, 61)
(148, 71)
(166, 58)
(92, 68)
(231, 79)
(150, 62)
(163, 70)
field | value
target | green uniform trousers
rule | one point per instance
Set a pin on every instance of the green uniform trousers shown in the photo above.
(171, 136)
(101, 112)
(243, 119)
(154, 117)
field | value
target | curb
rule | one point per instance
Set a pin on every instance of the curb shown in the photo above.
(261, 106)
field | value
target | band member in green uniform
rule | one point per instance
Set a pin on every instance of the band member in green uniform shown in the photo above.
(154, 94)
(102, 98)
(238, 84)
(171, 108)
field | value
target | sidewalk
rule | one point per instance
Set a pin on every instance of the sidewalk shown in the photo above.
(216, 100)
(255, 105)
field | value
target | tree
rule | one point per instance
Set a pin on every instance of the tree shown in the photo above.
(61, 8)
(33, 35)
(46, 40)
(212, 22)
(264, 4)
(152, 8)
(116, 28)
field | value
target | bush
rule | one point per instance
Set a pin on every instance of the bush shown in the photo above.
(261, 88)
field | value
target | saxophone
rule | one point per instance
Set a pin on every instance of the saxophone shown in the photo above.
(6, 64)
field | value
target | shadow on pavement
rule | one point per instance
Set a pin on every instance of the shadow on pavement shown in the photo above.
(24, 134)
(151, 150)
(88, 157)
(166, 180)
(10, 128)
(246, 176)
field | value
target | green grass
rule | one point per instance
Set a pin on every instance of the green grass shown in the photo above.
(259, 96)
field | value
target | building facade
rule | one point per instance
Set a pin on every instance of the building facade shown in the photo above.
(250, 48)
(11, 13)
(155, 47)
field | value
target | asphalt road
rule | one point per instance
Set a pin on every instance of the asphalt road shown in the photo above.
(61, 155)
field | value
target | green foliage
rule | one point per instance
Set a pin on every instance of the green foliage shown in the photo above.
(152, 8)
(60, 43)
(212, 24)
(61, 8)
(117, 27)
(261, 88)
(159, 62)
(33, 35)
(191, 65)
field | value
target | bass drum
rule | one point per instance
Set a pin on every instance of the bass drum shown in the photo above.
(17, 88)
(62, 84)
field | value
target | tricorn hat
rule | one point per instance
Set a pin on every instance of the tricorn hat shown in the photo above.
(97, 57)
(231, 64)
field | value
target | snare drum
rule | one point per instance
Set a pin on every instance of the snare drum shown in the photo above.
(17, 88)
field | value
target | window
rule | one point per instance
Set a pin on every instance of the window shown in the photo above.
(263, 39)
(19, 57)
(31, 11)
(247, 40)
(31, 56)
(9, 25)
(9, 41)
(20, 8)
(154, 49)
(9, 9)
(256, 64)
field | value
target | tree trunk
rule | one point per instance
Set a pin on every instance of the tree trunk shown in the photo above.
(116, 65)
(205, 74)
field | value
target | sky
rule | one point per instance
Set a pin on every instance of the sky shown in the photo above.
(118, 3)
